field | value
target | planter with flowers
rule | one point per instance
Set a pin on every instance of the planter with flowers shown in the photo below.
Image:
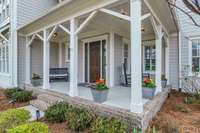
(164, 81)
(36, 80)
(99, 91)
(149, 88)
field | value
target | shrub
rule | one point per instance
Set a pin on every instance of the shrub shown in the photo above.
(57, 112)
(11, 91)
(109, 125)
(182, 108)
(12, 118)
(79, 119)
(35, 127)
(22, 96)
(189, 100)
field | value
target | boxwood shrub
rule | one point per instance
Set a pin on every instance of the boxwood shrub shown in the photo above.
(109, 125)
(12, 118)
(11, 91)
(57, 112)
(22, 96)
(35, 127)
(79, 119)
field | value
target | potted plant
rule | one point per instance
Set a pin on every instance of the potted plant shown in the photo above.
(99, 91)
(163, 81)
(36, 80)
(149, 87)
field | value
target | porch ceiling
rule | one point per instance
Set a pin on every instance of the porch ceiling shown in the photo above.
(159, 6)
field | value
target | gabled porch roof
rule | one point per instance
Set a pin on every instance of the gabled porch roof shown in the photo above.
(69, 9)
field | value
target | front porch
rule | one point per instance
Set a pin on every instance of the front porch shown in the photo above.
(118, 96)
(94, 42)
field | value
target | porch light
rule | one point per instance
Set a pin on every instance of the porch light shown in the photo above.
(143, 29)
(55, 34)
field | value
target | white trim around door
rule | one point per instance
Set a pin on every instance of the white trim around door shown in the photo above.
(88, 41)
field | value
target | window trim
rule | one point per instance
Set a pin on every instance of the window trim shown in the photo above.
(190, 53)
(144, 44)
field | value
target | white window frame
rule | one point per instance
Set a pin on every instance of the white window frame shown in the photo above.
(190, 54)
(127, 42)
(144, 44)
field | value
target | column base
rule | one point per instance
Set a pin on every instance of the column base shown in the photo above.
(158, 89)
(45, 87)
(137, 108)
(73, 91)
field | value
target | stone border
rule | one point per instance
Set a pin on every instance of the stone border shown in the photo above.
(132, 119)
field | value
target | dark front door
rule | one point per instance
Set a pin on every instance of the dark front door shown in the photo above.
(95, 61)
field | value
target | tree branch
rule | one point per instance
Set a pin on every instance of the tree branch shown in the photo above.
(185, 12)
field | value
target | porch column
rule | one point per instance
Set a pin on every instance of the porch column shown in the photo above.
(73, 59)
(45, 60)
(159, 60)
(60, 54)
(136, 57)
(112, 63)
(28, 62)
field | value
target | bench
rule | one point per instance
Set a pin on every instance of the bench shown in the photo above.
(58, 74)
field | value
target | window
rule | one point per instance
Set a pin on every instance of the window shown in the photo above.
(126, 55)
(196, 55)
(4, 57)
(149, 58)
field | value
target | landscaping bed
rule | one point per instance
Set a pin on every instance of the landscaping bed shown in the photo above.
(5, 102)
(179, 114)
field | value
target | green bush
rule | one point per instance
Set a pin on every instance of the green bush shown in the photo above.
(79, 119)
(22, 96)
(12, 118)
(35, 127)
(109, 125)
(57, 112)
(189, 100)
(11, 91)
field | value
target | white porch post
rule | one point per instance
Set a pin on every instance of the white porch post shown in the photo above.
(136, 57)
(112, 58)
(73, 59)
(28, 62)
(60, 54)
(159, 60)
(45, 60)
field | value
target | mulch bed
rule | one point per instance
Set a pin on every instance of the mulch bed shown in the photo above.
(171, 117)
(4, 102)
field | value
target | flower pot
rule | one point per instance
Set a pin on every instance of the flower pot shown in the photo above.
(164, 83)
(148, 93)
(36, 82)
(99, 96)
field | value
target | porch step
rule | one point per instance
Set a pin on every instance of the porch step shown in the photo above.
(49, 99)
(41, 105)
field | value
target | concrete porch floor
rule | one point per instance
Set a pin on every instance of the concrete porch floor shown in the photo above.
(118, 96)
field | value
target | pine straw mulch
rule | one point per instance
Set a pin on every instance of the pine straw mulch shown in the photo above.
(178, 117)
(4, 102)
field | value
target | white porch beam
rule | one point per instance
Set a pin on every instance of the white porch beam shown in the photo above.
(64, 29)
(155, 15)
(136, 57)
(3, 37)
(39, 36)
(46, 48)
(116, 14)
(159, 60)
(87, 21)
(52, 32)
(155, 27)
(73, 59)
(145, 16)
(112, 63)
(31, 40)
(28, 62)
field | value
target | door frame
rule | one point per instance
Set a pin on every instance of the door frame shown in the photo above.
(94, 39)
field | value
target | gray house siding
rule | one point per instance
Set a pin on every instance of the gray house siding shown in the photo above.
(174, 62)
(28, 10)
